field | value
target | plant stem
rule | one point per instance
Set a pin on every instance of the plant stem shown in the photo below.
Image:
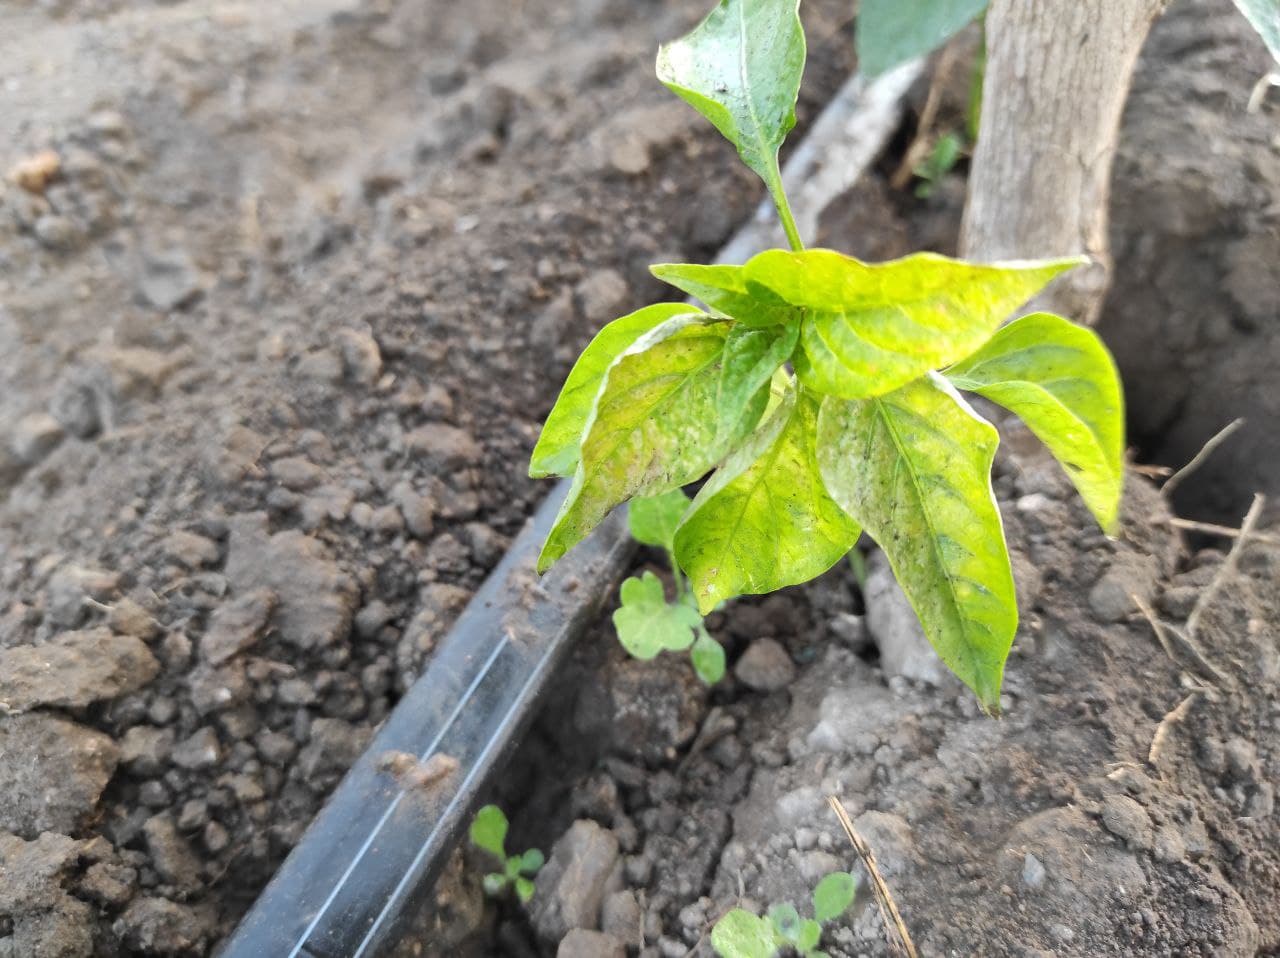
(681, 588)
(779, 196)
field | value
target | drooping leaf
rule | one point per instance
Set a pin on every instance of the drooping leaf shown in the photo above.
(1060, 379)
(648, 624)
(524, 889)
(833, 896)
(1264, 15)
(489, 831)
(654, 519)
(914, 468)
(890, 32)
(725, 290)
(786, 921)
(751, 357)
(808, 937)
(708, 659)
(556, 452)
(740, 934)
(531, 861)
(654, 427)
(764, 520)
(741, 68)
(872, 327)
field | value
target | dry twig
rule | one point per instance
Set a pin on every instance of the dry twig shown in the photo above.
(928, 114)
(1213, 529)
(888, 909)
(1228, 567)
(1198, 459)
(1166, 724)
(1163, 631)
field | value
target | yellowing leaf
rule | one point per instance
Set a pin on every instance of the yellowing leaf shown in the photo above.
(1060, 379)
(751, 357)
(872, 327)
(914, 468)
(556, 452)
(725, 289)
(764, 520)
(653, 427)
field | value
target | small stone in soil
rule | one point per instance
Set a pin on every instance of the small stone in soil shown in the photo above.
(237, 625)
(571, 887)
(74, 670)
(765, 666)
(1033, 872)
(581, 943)
(53, 772)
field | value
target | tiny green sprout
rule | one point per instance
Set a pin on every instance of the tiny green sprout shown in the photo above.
(817, 396)
(646, 622)
(489, 832)
(740, 934)
(939, 162)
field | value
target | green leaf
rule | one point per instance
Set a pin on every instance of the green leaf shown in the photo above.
(832, 896)
(524, 889)
(531, 861)
(489, 831)
(1264, 15)
(764, 519)
(494, 884)
(940, 161)
(872, 327)
(654, 519)
(1060, 379)
(740, 934)
(708, 659)
(741, 68)
(653, 428)
(914, 468)
(512, 868)
(726, 290)
(809, 936)
(891, 32)
(786, 921)
(751, 357)
(556, 452)
(648, 624)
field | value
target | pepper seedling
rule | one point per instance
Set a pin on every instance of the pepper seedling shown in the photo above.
(822, 394)
(489, 832)
(646, 622)
(741, 934)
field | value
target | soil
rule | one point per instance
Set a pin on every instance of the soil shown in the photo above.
(277, 330)
(1124, 803)
(285, 291)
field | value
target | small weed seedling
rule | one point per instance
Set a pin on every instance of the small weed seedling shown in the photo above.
(489, 832)
(740, 934)
(822, 395)
(646, 622)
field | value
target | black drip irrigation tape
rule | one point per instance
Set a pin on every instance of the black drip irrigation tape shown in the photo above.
(384, 835)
